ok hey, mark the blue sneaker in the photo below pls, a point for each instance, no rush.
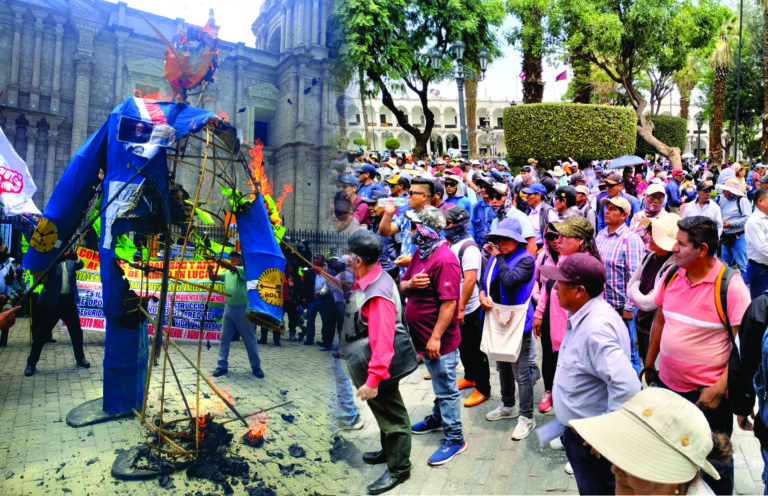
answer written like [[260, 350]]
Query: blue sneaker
[[446, 452], [426, 425]]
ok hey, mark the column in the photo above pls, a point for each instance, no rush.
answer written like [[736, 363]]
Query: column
[[34, 92], [238, 100], [283, 32], [31, 139], [121, 36], [83, 65], [314, 11], [56, 86], [290, 41], [298, 23], [50, 163], [13, 88]]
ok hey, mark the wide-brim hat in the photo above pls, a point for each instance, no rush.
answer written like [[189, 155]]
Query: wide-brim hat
[[705, 185], [732, 185], [508, 228], [663, 230], [657, 436]]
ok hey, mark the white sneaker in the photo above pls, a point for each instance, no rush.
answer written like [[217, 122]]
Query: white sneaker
[[502, 412], [568, 468], [556, 444], [524, 427]]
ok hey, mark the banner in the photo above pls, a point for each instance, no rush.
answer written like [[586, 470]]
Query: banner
[[190, 299], [16, 185]]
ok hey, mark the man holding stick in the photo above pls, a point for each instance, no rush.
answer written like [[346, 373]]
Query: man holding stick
[[234, 314]]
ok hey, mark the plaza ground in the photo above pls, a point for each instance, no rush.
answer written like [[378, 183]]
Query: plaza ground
[[41, 454]]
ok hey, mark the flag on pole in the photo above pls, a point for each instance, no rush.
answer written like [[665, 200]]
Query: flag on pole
[[16, 185], [562, 76], [522, 76]]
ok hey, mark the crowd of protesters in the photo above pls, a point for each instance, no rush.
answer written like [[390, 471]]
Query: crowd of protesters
[[628, 276]]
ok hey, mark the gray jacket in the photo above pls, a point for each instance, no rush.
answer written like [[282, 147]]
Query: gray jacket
[[736, 210]]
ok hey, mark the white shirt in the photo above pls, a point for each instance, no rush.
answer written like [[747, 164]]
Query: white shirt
[[472, 259], [756, 234], [65, 289], [711, 210]]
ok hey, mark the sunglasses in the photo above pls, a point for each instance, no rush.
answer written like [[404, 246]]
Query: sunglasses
[[496, 196], [411, 193], [611, 185]]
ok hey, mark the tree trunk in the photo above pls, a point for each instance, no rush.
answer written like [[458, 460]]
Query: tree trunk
[[764, 140], [533, 85], [645, 131], [582, 82], [718, 101], [470, 102], [685, 102], [361, 82]]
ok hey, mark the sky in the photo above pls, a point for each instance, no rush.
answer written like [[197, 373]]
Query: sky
[[235, 17]]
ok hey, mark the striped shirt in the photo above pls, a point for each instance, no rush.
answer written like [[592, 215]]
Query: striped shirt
[[621, 251], [694, 345]]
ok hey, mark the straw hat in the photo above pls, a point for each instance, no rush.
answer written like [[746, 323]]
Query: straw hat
[[657, 436], [732, 185], [663, 230]]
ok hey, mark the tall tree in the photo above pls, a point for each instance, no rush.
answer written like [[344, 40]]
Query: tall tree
[[363, 94], [470, 102], [686, 80], [721, 60], [625, 39], [582, 77], [764, 139], [529, 35], [392, 42]]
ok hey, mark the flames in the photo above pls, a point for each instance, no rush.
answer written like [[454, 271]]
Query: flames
[[222, 115], [260, 182], [255, 435], [156, 95], [202, 425]]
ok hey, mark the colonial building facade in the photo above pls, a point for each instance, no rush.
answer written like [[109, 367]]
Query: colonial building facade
[[69, 62]]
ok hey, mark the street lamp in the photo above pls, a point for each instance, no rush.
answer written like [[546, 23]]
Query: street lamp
[[461, 74], [699, 123]]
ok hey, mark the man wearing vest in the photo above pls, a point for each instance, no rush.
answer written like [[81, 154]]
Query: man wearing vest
[[688, 313], [374, 311]]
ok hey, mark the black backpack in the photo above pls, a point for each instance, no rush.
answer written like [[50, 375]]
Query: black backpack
[[482, 265]]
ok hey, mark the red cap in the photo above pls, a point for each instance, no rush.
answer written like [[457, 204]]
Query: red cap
[[678, 172]]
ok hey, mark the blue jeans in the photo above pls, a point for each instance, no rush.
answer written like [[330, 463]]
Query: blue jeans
[[737, 254], [313, 308], [345, 394], [593, 475], [519, 371], [447, 409], [757, 279], [234, 320], [636, 363]]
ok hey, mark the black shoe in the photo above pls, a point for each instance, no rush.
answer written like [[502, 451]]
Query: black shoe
[[308, 343], [258, 373], [29, 371], [219, 372], [301, 336], [278, 343], [374, 457], [386, 482], [262, 341], [51, 340], [83, 363]]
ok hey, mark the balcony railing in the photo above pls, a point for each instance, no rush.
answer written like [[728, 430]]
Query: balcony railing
[[451, 126]]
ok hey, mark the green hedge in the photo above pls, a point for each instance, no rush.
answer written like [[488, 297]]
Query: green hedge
[[672, 131], [552, 131]]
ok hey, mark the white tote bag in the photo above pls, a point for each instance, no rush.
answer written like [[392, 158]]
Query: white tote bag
[[503, 327]]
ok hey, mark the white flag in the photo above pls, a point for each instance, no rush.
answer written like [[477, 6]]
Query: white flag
[[16, 185]]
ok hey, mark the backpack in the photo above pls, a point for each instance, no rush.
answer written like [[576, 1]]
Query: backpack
[[483, 263], [738, 394]]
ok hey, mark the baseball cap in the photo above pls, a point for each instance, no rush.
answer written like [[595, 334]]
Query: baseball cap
[[614, 178], [705, 185], [347, 179], [376, 195], [456, 214], [574, 226], [619, 202], [580, 268], [576, 178], [526, 168], [508, 228], [365, 245], [567, 193], [367, 168], [429, 216], [399, 179], [582, 189], [678, 172], [657, 435], [763, 179], [655, 188], [532, 161], [535, 188]]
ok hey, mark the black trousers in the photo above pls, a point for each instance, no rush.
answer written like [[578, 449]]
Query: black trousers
[[476, 368], [44, 319], [392, 417], [292, 312], [548, 356]]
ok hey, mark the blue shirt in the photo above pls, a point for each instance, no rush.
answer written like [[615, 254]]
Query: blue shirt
[[594, 372], [482, 218], [673, 193], [365, 190]]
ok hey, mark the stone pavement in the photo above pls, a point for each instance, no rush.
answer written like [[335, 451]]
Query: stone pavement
[[40, 454]]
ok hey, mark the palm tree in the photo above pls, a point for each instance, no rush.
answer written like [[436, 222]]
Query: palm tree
[[764, 140], [720, 60], [686, 80]]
